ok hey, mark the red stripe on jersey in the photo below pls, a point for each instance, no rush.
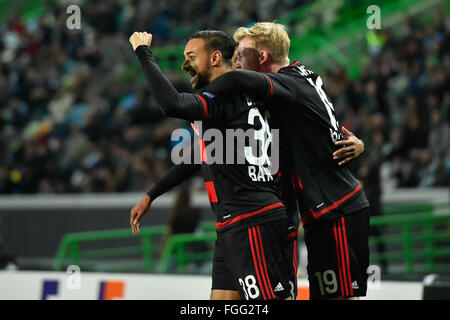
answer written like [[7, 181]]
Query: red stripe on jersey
[[248, 215], [292, 235], [264, 264], [201, 144], [257, 266], [295, 63], [343, 260], [204, 104], [338, 259], [297, 183], [211, 191], [315, 215], [271, 86], [349, 275], [265, 287]]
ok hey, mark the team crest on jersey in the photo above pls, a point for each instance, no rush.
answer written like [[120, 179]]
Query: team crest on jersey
[[209, 94]]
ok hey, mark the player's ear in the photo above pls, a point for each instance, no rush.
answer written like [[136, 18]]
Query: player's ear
[[216, 58], [264, 57]]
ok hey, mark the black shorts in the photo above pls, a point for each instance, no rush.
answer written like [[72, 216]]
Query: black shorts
[[338, 256], [292, 245], [253, 261]]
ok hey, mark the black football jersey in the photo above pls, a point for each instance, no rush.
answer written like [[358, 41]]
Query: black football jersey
[[236, 170], [238, 181], [301, 110], [307, 120]]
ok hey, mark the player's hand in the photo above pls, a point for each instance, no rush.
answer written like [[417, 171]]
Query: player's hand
[[140, 38], [138, 212], [352, 147]]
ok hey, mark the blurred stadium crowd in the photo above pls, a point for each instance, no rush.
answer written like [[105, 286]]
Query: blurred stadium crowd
[[400, 106], [73, 119]]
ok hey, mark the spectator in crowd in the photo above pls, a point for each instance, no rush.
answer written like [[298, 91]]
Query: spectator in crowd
[[402, 96], [71, 118], [75, 118]]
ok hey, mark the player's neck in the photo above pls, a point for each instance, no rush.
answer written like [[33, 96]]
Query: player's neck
[[217, 72], [275, 66]]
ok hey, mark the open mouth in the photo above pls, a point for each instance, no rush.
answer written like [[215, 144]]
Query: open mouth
[[193, 75]]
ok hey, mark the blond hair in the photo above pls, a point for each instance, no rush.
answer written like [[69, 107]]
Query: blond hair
[[270, 36]]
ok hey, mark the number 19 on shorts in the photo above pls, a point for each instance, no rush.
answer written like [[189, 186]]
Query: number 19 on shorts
[[327, 282]]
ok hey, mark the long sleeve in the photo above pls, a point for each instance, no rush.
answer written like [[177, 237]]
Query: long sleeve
[[257, 85], [252, 83], [171, 102], [176, 175]]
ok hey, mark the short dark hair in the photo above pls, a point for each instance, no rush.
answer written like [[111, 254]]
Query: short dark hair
[[217, 40]]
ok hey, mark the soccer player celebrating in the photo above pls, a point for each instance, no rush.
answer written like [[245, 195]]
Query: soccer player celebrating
[[334, 209], [249, 257]]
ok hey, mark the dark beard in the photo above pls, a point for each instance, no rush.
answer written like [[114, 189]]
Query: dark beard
[[200, 83]]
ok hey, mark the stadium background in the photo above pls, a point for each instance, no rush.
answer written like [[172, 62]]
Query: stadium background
[[81, 138]]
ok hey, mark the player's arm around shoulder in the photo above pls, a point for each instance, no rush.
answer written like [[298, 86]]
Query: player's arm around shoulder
[[251, 83], [351, 147]]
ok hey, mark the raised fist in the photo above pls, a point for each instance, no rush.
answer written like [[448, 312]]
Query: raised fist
[[140, 38]]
